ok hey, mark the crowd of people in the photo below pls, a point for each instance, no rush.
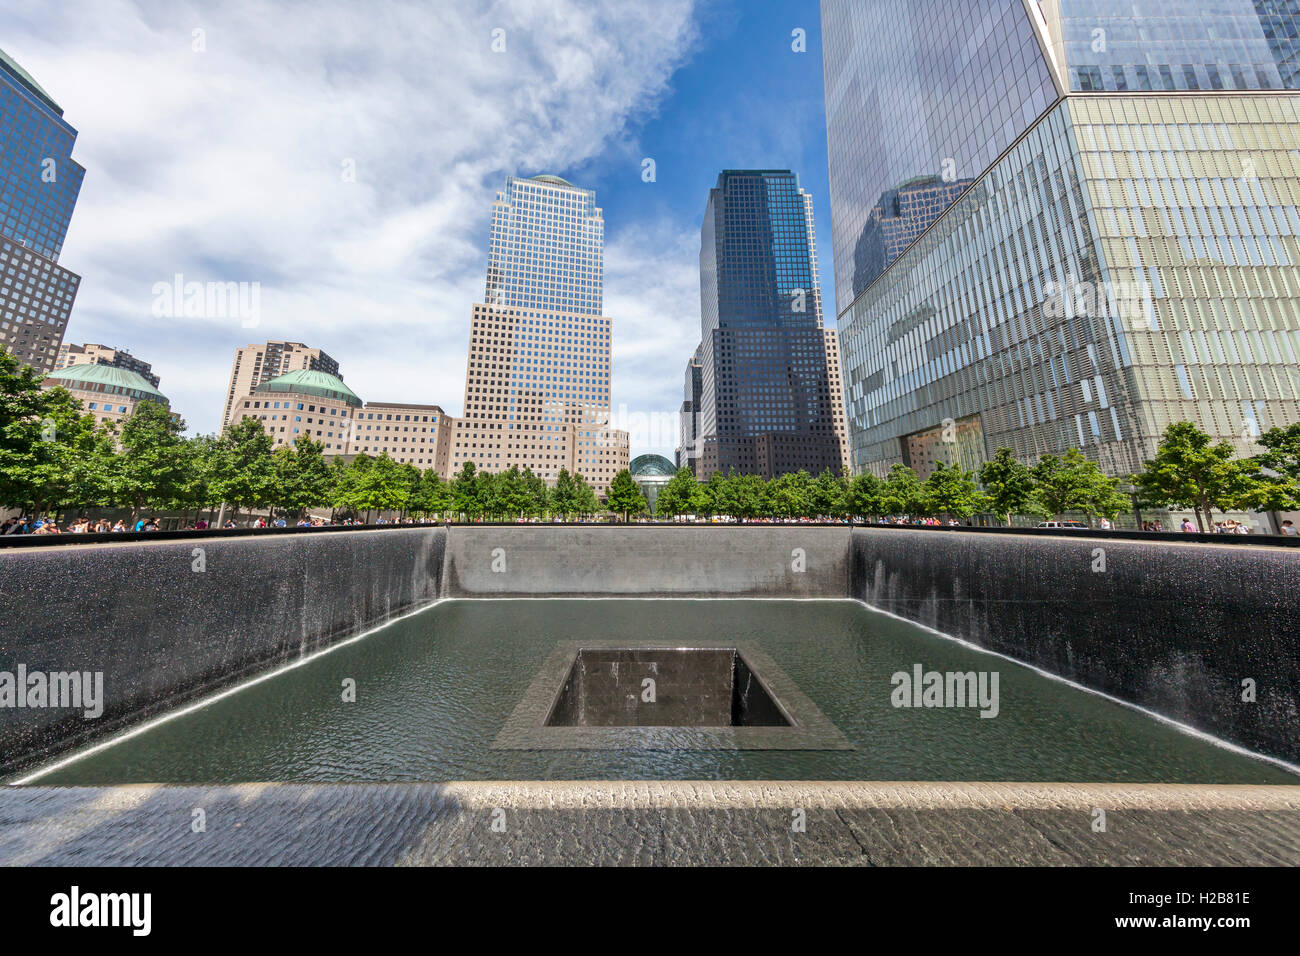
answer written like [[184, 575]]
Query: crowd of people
[[24, 524]]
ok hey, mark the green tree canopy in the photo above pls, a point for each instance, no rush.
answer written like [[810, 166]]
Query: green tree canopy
[[151, 468], [951, 490], [1191, 471], [625, 495], [1009, 485]]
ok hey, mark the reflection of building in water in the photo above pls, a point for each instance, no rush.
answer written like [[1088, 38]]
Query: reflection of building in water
[[1166, 157], [901, 215]]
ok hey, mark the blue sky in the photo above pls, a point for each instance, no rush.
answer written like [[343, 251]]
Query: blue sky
[[344, 158]]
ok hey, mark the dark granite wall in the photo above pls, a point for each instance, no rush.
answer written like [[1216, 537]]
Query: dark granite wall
[[505, 561], [1175, 628], [163, 632]]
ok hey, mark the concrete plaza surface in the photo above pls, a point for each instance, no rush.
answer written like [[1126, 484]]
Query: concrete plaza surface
[[651, 823]]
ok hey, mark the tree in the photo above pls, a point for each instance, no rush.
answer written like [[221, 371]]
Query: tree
[[863, 497], [1065, 482], [788, 495], [151, 468], [951, 490], [302, 478], [1190, 471], [625, 495], [1008, 484], [829, 495], [432, 496], [564, 499], [539, 495], [1280, 465], [465, 493], [585, 496], [23, 408], [681, 496], [903, 493], [241, 466], [195, 490]]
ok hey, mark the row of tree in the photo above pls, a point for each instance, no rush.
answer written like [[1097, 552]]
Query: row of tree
[[1189, 471], [54, 455]]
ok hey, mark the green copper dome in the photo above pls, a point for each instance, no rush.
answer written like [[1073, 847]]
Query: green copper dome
[[107, 378], [305, 381], [649, 466]]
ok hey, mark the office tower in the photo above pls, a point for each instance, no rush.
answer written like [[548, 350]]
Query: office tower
[[689, 426], [255, 364], [39, 184], [538, 377], [91, 354], [1125, 254], [766, 396]]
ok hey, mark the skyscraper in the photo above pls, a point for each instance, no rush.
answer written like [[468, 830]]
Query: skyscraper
[[689, 422], [537, 385], [39, 184], [766, 402], [1125, 253], [261, 362]]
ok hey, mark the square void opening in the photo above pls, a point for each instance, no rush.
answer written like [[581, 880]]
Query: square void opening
[[713, 695], [664, 687]]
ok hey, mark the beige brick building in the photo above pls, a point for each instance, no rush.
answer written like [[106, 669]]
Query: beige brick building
[[92, 354], [837, 399], [418, 434], [537, 383], [255, 364], [105, 391], [517, 415], [302, 402]]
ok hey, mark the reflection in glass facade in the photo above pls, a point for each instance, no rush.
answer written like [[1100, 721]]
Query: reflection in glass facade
[[920, 88], [898, 219], [1143, 45], [765, 399], [1129, 262], [39, 185]]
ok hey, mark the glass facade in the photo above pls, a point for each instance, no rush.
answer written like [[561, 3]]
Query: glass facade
[[39, 185], [39, 179], [547, 247], [920, 88], [1128, 263], [1168, 45], [765, 403]]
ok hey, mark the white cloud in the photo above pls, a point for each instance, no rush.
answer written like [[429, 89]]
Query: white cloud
[[227, 165], [652, 294]]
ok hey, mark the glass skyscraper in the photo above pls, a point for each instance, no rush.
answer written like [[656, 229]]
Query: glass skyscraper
[[39, 184], [537, 389], [765, 404], [1125, 254]]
